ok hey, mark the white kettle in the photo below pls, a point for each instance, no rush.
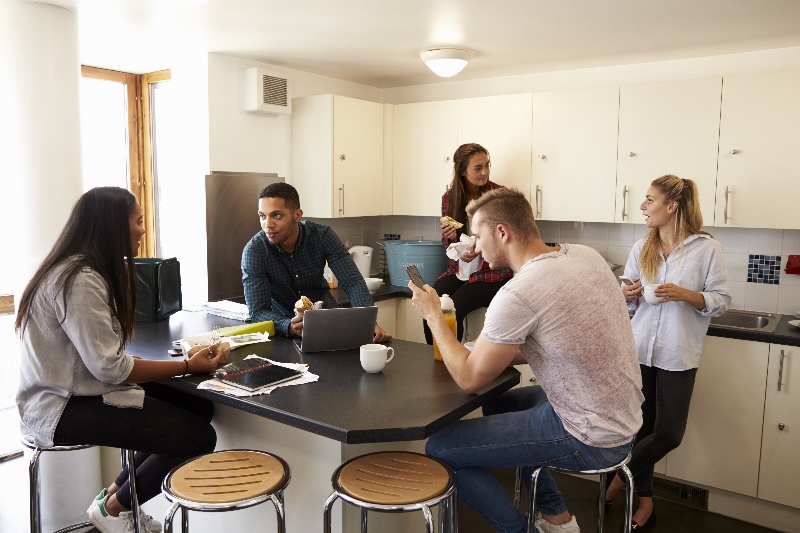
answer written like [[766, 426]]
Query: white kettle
[[362, 256]]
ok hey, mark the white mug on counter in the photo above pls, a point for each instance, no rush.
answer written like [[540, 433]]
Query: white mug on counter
[[375, 356], [650, 294]]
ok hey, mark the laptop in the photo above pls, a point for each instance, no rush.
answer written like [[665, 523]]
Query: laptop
[[343, 328]]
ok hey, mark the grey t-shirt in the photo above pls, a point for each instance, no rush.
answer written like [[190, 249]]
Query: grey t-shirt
[[566, 311], [72, 350]]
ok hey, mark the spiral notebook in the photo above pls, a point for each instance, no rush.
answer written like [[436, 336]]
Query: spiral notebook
[[255, 374]]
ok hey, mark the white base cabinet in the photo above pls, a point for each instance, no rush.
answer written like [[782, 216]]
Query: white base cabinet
[[722, 444], [779, 479]]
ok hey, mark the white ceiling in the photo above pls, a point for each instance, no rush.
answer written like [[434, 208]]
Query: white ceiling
[[377, 42]]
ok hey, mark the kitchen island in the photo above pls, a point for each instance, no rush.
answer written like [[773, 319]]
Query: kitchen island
[[317, 426]]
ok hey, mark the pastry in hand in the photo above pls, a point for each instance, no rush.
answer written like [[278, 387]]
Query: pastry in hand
[[451, 222], [302, 305]]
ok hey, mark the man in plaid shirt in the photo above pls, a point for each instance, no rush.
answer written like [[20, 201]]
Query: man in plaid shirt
[[286, 261]]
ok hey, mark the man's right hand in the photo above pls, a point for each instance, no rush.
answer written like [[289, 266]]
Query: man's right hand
[[296, 326]]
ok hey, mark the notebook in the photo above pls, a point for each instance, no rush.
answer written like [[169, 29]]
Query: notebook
[[343, 328], [254, 374]]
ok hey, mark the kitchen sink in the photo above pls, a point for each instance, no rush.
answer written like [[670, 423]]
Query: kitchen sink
[[747, 320]]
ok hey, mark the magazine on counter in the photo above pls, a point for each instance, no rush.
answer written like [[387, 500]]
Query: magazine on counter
[[254, 373]]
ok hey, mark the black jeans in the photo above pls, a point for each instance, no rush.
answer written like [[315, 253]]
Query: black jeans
[[171, 427], [667, 395], [467, 297]]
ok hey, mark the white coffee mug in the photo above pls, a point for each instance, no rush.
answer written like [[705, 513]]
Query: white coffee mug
[[650, 294], [375, 356]]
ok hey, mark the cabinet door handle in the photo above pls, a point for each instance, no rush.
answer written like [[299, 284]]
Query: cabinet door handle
[[780, 371], [725, 211], [542, 157], [624, 202], [781, 426], [734, 151], [538, 201], [631, 154], [341, 201], [343, 157]]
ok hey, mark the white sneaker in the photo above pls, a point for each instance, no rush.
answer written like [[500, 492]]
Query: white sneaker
[[543, 526], [122, 523]]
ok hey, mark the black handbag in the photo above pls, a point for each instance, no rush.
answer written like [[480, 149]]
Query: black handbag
[[159, 289]]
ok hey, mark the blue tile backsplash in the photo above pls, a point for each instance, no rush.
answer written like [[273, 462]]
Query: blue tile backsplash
[[764, 269]]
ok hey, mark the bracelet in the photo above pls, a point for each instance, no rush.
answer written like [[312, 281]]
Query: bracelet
[[187, 368]]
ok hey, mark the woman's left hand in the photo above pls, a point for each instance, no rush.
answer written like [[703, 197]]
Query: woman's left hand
[[669, 292]]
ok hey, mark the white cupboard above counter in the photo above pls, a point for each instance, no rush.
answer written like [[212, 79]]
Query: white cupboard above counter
[[427, 134], [758, 182], [337, 156], [667, 128]]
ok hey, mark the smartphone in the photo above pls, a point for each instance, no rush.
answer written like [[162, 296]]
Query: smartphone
[[175, 353], [413, 273], [626, 280]]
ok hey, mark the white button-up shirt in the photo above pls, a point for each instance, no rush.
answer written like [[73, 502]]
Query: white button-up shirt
[[670, 335]]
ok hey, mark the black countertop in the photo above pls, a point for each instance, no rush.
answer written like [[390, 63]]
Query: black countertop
[[783, 334], [411, 399]]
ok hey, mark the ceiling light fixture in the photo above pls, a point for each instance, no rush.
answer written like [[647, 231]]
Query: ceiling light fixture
[[446, 62]]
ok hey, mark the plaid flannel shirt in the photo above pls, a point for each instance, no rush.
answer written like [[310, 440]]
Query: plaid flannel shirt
[[274, 280], [484, 273]]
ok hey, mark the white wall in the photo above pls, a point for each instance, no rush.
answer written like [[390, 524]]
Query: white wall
[[244, 141]]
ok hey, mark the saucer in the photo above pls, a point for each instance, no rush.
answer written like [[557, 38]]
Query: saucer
[[795, 323]]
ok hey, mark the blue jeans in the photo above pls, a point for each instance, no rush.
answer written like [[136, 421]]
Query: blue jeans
[[519, 428]]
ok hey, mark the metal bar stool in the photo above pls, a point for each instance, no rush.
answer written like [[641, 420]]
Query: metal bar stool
[[395, 482], [35, 493], [226, 481], [621, 466]]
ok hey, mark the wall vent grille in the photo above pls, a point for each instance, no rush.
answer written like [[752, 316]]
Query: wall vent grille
[[274, 90], [680, 493]]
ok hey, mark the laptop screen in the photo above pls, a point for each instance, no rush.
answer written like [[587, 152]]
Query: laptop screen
[[343, 328]]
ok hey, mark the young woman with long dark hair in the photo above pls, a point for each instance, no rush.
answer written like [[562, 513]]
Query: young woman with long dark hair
[[77, 384], [468, 280]]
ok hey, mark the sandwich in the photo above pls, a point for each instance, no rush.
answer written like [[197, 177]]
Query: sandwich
[[452, 222], [302, 305]]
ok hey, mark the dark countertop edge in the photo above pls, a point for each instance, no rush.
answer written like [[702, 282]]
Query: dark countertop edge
[[783, 334]]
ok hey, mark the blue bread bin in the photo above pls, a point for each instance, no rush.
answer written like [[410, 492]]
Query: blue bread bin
[[428, 256]]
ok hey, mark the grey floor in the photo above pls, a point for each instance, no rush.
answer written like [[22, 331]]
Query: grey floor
[[581, 496]]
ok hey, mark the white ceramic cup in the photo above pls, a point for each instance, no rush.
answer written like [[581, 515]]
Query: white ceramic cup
[[375, 356], [650, 294], [469, 345]]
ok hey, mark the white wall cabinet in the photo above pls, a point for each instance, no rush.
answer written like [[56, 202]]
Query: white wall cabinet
[[722, 444], [759, 171], [779, 479], [425, 137], [502, 125], [337, 156], [667, 128], [574, 145]]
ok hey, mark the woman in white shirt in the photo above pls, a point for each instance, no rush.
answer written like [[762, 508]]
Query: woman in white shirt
[[688, 267], [77, 384]]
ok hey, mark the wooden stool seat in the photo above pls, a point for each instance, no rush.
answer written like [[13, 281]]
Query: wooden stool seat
[[228, 476], [394, 478], [394, 482], [226, 481]]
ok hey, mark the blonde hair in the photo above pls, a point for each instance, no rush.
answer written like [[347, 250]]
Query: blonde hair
[[688, 220]]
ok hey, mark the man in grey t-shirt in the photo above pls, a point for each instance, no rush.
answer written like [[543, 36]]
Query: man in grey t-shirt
[[562, 313]]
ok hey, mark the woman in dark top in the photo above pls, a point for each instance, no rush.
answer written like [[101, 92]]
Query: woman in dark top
[[468, 280]]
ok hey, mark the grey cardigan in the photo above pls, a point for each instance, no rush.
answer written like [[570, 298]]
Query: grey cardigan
[[70, 350]]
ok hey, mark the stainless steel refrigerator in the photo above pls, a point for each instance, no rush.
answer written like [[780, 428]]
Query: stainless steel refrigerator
[[231, 221]]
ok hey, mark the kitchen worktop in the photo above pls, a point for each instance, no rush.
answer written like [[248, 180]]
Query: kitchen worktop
[[784, 334]]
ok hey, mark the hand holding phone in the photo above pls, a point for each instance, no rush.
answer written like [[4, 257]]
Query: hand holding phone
[[626, 280], [415, 276]]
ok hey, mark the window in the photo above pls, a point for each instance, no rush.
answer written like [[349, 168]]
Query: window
[[117, 137]]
